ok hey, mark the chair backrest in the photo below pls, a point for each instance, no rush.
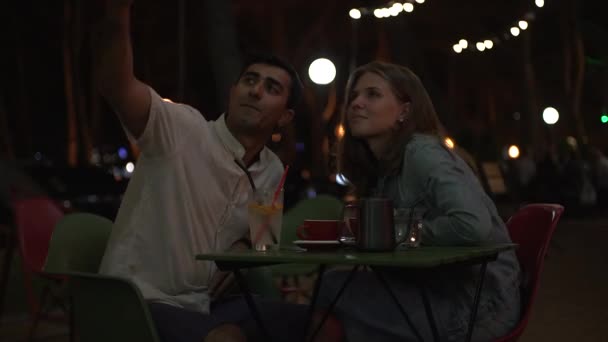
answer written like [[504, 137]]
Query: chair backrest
[[35, 219], [108, 308], [322, 207], [78, 243], [531, 227]]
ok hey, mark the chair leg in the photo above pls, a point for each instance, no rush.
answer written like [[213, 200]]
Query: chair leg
[[298, 287], [71, 318], [39, 313], [6, 268], [284, 285], [66, 306]]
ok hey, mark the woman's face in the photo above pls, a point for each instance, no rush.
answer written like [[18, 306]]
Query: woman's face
[[374, 110]]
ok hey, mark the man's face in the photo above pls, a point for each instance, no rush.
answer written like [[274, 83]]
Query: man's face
[[258, 101]]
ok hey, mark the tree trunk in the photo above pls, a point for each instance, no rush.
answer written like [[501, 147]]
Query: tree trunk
[[383, 52], [6, 146], [181, 50], [574, 67], [24, 122], [72, 129], [278, 28], [531, 123], [80, 79], [223, 49], [578, 80], [317, 29]]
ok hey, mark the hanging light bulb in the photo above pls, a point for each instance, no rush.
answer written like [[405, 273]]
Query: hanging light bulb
[[355, 13], [515, 31], [523, 24]]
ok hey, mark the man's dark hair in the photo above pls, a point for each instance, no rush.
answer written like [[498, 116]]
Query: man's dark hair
[[295, 90]]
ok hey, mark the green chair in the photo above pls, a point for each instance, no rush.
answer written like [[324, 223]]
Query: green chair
[[109, 309], [322, 207], [78, 243], [103, 308]]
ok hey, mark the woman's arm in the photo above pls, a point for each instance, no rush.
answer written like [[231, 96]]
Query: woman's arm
[[458, 213]]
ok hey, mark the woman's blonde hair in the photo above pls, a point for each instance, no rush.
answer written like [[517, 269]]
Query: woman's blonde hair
[[355, 160]]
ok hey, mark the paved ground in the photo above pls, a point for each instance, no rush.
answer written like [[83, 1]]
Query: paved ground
[[572, 303], [573, 299]]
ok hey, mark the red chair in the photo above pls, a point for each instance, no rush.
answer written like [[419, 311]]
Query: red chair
[[531, 227], [35, 219]]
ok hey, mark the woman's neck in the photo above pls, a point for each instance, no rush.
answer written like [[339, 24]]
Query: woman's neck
[[379, 145]]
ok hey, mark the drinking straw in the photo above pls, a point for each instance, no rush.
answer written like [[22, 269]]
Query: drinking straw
[[274, 200], [281, 183]]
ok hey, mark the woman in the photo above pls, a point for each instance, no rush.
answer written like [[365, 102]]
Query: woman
[[393, 148]]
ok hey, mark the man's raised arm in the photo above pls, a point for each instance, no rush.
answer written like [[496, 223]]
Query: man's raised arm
[[113, 65]]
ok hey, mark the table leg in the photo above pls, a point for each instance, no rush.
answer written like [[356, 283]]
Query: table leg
[[313, 300], [429, 312], [482, 275], [396, 300], [333, 303], [252, 307]]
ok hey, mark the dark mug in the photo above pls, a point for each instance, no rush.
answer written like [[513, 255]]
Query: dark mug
[[376, 228]]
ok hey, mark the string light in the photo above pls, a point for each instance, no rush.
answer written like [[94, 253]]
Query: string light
[[513, 30], [523, 24], [392, 9]]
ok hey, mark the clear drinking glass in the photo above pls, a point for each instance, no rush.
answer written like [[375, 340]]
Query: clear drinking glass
[[401, 219], [265, 218], [408, 227], [350, 223]]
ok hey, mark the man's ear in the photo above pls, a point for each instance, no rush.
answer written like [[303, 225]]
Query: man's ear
[[286, 118]]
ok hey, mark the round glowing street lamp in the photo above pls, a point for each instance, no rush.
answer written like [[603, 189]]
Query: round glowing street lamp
[[550, 115], [322, 71]]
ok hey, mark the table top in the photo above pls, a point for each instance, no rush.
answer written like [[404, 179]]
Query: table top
[[421, 257]]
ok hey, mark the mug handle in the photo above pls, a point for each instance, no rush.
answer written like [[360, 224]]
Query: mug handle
[[301, 232]]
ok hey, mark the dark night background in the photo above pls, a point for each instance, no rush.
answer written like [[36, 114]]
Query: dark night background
[[55, 128]]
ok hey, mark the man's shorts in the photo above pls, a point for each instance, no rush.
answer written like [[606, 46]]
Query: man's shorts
[[284, 321]]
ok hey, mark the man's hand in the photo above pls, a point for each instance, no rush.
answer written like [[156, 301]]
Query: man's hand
[[221, 280]]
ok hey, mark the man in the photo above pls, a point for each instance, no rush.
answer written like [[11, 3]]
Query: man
[[189, 190]]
